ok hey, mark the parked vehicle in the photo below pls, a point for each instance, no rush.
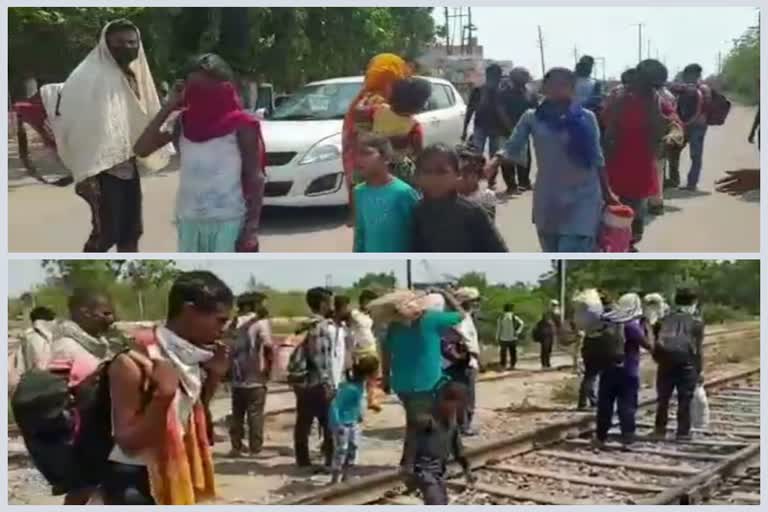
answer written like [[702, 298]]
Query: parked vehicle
[[303, 139]]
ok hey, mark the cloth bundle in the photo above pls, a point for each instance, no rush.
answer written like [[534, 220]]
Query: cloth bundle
[[587, 309], [404, 306]]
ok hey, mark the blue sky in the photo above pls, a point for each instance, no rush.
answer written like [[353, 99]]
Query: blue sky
[[681, 35], [303, 273]]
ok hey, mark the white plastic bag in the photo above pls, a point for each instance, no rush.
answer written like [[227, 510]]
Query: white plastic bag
[[587, 309], [699, 408]]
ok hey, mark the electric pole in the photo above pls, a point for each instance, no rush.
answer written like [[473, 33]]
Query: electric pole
[[561, 275], [639, 42], [649, 49], [448, 42], [408, 274], [719, 63], [541, 52], [575, 56]]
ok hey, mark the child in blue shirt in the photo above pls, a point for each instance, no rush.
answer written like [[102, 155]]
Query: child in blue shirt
[[346, 416], [383, 203]]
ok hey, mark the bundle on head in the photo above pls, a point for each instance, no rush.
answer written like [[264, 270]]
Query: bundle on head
[[404, 306]]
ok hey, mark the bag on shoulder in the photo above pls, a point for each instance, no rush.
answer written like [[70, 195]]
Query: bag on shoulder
[[298, 363], [718, 109], [454, 348], [67, 430], [604, 346], [675, 342]]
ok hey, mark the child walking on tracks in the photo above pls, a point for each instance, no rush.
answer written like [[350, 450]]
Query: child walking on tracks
[[346, 416], [437, 439]]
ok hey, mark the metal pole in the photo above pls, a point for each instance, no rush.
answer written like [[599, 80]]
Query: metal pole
[[649, 49], [541, 52], [562, 290], [408, 273], [639, 42]]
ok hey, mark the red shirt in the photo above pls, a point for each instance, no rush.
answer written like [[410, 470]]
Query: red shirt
[[631, 169]]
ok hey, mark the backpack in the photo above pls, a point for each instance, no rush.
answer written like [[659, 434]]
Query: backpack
[[454, 348], [675, 343], [718, 109], [298, 363], [67, 430], [247, 356], [604, 346]]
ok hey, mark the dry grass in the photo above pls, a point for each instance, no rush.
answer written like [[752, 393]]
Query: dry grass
[[567, 391]]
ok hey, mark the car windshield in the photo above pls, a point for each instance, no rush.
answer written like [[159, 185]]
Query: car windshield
[[318, 102]]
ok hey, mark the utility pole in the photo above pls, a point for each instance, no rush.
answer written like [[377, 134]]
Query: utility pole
[[602, 63], [470, 32], [447, 32], [640, 42], [649, 49], [575, 56], [562, 274], [408, 273], [541, 52], [719, 63]]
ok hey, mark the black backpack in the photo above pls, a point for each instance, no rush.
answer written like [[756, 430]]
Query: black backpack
[[604, 346], [675, 342], [67, 431]]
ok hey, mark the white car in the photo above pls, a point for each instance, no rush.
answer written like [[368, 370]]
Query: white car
[[303, 139]]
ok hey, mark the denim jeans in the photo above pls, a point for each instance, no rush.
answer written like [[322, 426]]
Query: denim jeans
[[554, 242], [415, 404], [480, 137], [696, 135], [640, 206], [346, 439], [617, 389]]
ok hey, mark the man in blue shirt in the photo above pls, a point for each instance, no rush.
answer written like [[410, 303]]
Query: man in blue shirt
[[412, 360]]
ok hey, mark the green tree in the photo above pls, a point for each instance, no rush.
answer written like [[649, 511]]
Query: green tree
[[71, 274], [286, 46], [383, 281], [148, 274], [475, 280], [741, 68]]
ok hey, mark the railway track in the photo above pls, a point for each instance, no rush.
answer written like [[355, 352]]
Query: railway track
[[714, 338], [556, 465]]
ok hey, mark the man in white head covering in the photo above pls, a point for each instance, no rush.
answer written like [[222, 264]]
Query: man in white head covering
[[101, 110]]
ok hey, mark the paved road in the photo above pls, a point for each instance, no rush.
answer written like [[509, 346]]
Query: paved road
[[48, 219]]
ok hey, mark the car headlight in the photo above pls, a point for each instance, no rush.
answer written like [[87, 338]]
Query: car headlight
[[326, 149]]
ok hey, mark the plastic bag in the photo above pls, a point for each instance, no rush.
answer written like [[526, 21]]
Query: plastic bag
[[587, 310], [616, 229], [699, 408]]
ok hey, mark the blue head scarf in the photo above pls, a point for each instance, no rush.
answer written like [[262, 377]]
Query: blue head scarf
[[582, 147]]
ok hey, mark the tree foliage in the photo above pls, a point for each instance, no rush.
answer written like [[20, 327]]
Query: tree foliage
[[380, 281], [741, 69], [285, 46]]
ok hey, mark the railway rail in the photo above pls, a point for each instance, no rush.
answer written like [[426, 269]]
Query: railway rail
[[714, 338], [556, 464]]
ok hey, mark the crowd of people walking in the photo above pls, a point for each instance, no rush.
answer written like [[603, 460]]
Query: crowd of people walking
[[596, 149], [422, 347]]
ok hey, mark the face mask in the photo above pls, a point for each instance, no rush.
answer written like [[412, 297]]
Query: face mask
[[124, 55]]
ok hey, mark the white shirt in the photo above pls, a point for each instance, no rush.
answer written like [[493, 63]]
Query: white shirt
[[468, 331], [339, 335]]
